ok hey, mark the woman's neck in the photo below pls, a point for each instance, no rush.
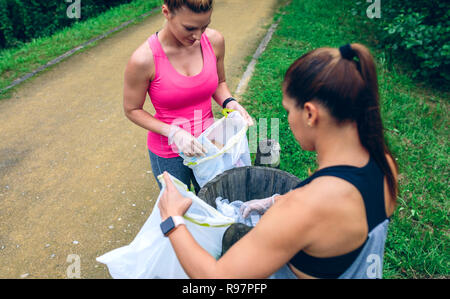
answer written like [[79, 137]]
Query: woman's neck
[[341, 146], [168, 39]]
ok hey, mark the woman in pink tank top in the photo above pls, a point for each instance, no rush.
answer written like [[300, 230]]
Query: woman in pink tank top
[[182, 68]]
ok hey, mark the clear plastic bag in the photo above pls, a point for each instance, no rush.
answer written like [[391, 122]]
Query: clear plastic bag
[[150, 254], [232, 210], [227, 146]]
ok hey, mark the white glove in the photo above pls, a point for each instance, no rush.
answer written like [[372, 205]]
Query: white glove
[[185, 142], [236, 106], [258, 205]]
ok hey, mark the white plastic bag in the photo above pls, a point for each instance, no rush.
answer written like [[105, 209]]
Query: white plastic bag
[[227, 146], [232, 210], [150, 254]]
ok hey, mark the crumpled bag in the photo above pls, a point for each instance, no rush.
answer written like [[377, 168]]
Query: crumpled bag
[[232, 210], [151, 255], [227, 146]]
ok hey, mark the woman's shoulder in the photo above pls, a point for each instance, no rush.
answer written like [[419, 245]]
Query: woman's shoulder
[[142, 60], [214, 36], [324, 191], [327, 199], [320, 196], [217, 40], [312, 209]]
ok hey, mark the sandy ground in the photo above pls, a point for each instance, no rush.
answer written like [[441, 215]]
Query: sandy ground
[[75, 176]]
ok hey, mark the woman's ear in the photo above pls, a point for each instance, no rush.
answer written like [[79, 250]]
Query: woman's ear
[[166, 12], [311, 114]]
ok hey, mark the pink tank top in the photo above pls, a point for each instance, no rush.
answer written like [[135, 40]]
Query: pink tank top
[[181, 100]]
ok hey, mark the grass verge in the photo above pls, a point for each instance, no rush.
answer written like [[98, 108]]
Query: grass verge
[[415, 118], [17, 62]]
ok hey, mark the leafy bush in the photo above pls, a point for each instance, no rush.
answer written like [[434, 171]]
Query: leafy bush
[[23, 20], [419, 31]]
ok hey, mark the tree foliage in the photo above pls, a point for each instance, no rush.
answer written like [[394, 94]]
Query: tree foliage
[[23, 20]]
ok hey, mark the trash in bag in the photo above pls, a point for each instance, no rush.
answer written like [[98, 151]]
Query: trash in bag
[[150, 254], [227, 146], [232, 210]]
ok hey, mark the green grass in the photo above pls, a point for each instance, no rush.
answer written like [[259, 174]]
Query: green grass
[[415, 118], [19, 61]]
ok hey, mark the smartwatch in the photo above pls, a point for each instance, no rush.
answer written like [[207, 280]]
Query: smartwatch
[[227, 101], [171, 223]]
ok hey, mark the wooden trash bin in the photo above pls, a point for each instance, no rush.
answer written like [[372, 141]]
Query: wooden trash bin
[[245, 183]]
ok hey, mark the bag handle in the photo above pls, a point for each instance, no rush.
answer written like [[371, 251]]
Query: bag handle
[[227, 111]]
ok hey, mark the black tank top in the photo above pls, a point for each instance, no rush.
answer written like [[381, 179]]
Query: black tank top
[[369, 180]]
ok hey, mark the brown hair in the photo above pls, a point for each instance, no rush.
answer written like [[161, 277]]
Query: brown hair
[[349, 90], [197, 6]]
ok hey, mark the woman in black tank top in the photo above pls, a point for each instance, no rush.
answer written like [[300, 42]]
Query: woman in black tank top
[[331, 97]]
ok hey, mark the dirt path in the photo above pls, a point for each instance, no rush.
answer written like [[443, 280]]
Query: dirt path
[[75, 176]]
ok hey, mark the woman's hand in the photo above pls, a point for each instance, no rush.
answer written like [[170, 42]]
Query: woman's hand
[[258, 205], [236, 106], [172, 203], [186, 143]]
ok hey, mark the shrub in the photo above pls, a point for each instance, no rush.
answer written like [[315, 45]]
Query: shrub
[[23, 20], [418, 31]]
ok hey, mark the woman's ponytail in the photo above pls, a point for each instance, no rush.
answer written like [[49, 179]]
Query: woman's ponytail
[[370, 125]]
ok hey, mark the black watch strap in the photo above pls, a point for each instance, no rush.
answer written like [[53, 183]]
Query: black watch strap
[[227, 101]]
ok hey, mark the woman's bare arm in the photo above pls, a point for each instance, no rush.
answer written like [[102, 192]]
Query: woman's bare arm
[[222, 92], [218, 42], [138, 74], [280, 233]]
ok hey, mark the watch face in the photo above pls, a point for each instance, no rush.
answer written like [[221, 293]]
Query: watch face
[[167, 225]]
